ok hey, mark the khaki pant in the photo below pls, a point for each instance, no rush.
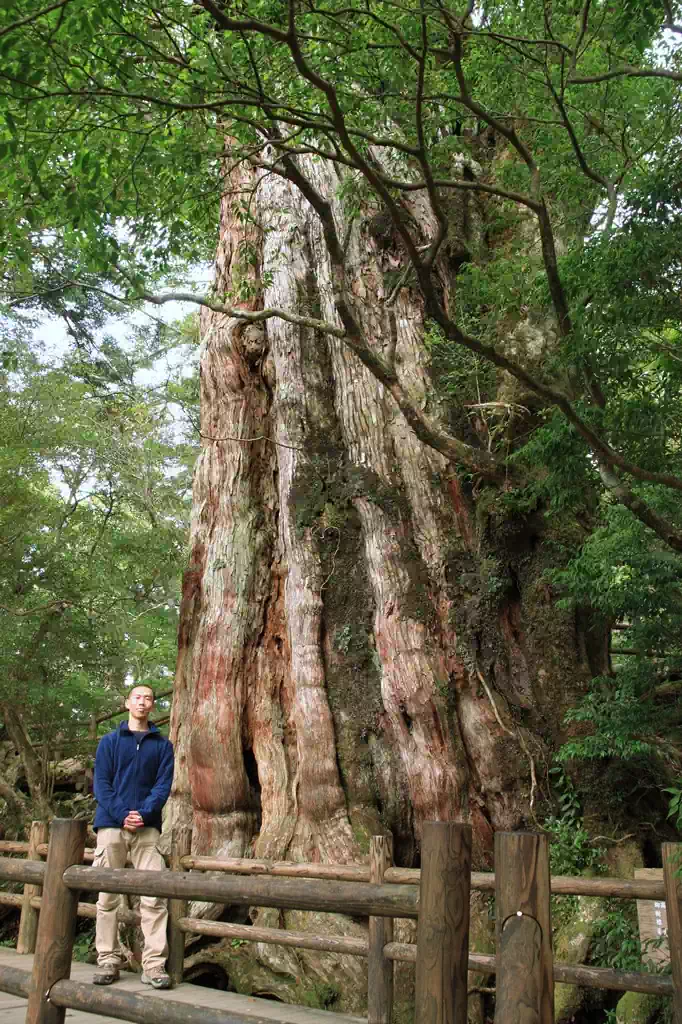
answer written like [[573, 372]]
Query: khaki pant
[[114, 847]]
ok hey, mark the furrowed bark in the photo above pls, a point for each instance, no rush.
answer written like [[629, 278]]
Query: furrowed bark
[[362, 631]]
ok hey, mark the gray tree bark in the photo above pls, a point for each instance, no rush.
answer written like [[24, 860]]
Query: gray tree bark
[[367, 639]]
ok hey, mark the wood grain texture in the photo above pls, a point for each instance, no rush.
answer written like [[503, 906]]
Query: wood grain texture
[[15, 981], [282, 868], [88, 854], [443, 929], [571, 974], [519, 995], [57, 924], [482, 881], [27, 871], [354, 898], [181, 844], [525, 986], [561, 885], [11, 899], [616, 981], [28, 923], [379, 967], [672, 870], [113, 1002], [275, 936], [13, 846]]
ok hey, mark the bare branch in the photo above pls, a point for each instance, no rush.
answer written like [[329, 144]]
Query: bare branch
[[253, 317], [32, 17], [669, 19], [234, 25], [247, 440], [627, 71], [600, 448], [639, 508], [588, 171], [54, 606], [508, 133], [436, 204]]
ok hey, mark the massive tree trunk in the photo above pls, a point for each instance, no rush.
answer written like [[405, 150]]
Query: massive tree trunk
[[367, 639]]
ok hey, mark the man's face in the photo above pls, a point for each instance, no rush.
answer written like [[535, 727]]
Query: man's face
[[140, 702]]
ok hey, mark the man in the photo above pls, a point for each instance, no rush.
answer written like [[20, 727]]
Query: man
[[133, 776]]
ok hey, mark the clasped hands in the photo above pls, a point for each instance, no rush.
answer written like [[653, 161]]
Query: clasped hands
[[133, 821]]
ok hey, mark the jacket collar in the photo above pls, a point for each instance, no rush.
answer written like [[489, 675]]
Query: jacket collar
[[123, 727]]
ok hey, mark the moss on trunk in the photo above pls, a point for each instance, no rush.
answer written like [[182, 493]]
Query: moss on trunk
[[367, 639]]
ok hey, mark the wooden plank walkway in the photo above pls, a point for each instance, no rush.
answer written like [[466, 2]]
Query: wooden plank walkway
[[13, 1009]]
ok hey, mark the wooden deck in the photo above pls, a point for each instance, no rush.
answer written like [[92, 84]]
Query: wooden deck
[[13, 1009]]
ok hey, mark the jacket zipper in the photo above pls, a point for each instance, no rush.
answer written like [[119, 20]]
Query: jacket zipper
[[137, 751]]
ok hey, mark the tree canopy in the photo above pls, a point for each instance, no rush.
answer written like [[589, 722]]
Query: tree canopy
[[95, 482], [123, 120], [123, 124]]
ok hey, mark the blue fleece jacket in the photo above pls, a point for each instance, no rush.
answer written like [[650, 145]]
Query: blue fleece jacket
[[133, 772]]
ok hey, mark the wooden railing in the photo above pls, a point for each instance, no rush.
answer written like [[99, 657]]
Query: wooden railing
[[437, 896]]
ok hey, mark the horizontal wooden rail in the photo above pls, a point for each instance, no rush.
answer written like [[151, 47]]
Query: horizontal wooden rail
[[9, 846], [404, 952], [11, 899], [617, 981], [88, 855], [483, 881], [620, 888], [356, 899], [278, 868], [14, 981], [30, 872], [277, 936], [77, 995], [571, 974], [90, 910], [13, 846]]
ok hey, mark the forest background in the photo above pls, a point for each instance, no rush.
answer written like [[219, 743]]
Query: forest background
[[441, 367]]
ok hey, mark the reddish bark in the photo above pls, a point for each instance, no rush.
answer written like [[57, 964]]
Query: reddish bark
[[360, 648]]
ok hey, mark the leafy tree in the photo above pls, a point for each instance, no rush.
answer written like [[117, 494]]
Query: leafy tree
[[512, 170], [128, 114], [95, 487]]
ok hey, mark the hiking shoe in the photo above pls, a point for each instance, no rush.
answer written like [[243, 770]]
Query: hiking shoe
[[106, 976], [156, 977]]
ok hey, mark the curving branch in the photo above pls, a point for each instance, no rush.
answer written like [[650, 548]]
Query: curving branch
[[33, 17], [251, 316], [627, 71], [425, 428], [666, 530], [600, 448]]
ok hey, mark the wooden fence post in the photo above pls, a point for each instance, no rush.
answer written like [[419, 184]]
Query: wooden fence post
[[28, 922], [57, 923], [525, 981], [443, 928], [181, 846], [379, 968], [672, 872]]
